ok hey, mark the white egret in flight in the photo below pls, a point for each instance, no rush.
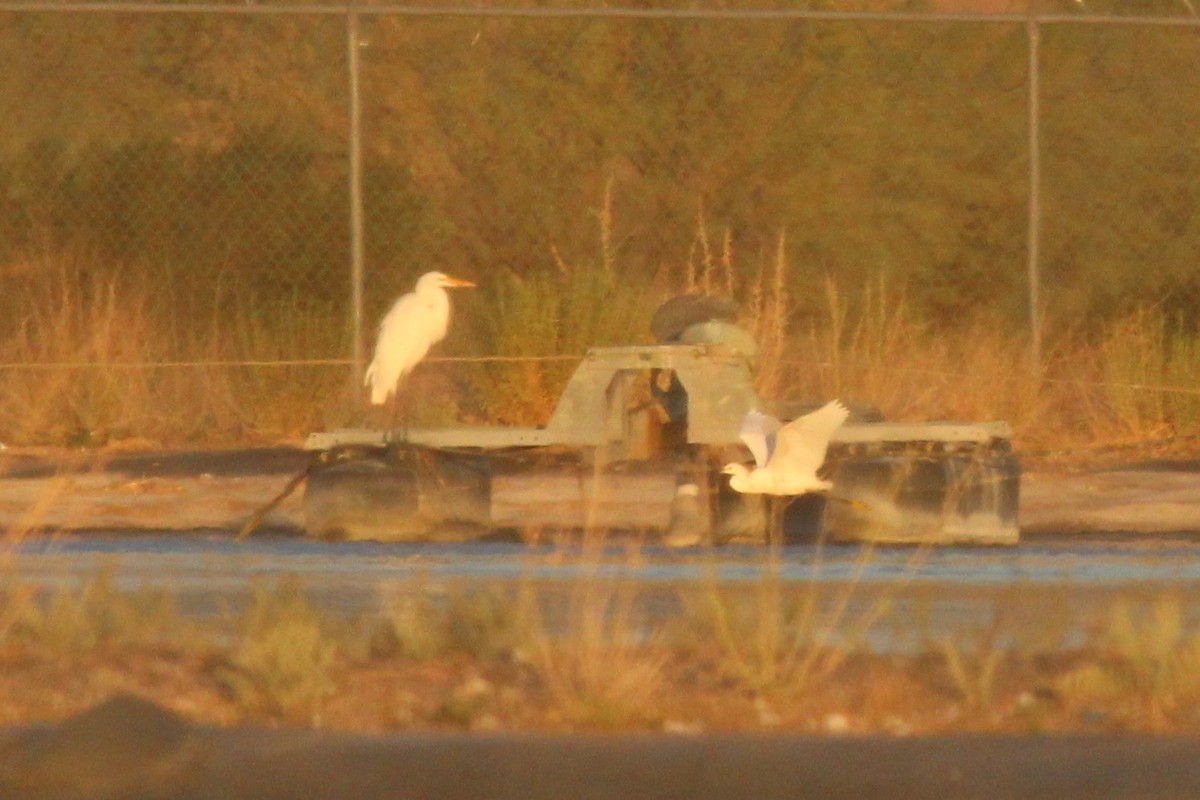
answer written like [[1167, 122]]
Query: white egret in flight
[[416, 322], [786, 456]]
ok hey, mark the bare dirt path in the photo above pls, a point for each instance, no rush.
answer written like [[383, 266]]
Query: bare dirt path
[[221, 489], [1158, 496], [151, 491]]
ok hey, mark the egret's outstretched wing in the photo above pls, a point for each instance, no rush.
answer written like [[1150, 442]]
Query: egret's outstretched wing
[[800, 445], [758, 432]]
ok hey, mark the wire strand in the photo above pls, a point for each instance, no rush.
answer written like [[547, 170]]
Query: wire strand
[[585, 12], [347, 362], [282, 362]]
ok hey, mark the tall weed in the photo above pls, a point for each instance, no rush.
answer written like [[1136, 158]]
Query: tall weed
[[1147, 662], [283, 661], [603, 670], [776, 637], [94, 353], [73, 619], [1149, 369], [545, 315]]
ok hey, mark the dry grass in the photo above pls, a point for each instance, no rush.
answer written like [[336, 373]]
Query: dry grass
[[96, 613], [774, 637], [1134, 381], [282, 662], [600, 662], [1122, 380], [93, 354], [597, 667], [586, 301], [1148, 665]]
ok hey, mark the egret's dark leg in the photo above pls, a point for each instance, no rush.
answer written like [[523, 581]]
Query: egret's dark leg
[[776, 508], [401, 409], [407, 419], [394, 415]]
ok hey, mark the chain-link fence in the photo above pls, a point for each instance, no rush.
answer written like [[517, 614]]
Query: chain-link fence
[[204, 208]]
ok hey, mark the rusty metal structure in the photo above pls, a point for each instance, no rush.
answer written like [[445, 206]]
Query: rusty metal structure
[[636, 443]]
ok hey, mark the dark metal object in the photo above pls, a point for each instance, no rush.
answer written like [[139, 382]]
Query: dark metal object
[[680, 313]]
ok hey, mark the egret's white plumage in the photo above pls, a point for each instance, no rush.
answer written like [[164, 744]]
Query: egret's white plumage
[[786, 456], [416, 322]]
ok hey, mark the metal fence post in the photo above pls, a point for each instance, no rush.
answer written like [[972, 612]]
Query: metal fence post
[[355, 188], [1035, 331]]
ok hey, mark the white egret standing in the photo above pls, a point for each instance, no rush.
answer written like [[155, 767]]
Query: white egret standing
[[416, 322], [786, 457]]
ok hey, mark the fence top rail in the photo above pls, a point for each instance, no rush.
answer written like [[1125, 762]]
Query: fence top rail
[[765, 14]]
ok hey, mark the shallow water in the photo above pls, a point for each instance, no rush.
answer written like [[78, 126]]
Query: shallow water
[[1057, 588], [170, 558]]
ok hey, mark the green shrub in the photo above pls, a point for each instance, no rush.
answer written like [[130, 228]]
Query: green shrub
[[282, 662]]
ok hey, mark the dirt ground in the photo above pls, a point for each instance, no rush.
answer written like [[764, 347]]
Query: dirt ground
[[891, 695], [1134, 491], [131, 491], [690, 693]]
